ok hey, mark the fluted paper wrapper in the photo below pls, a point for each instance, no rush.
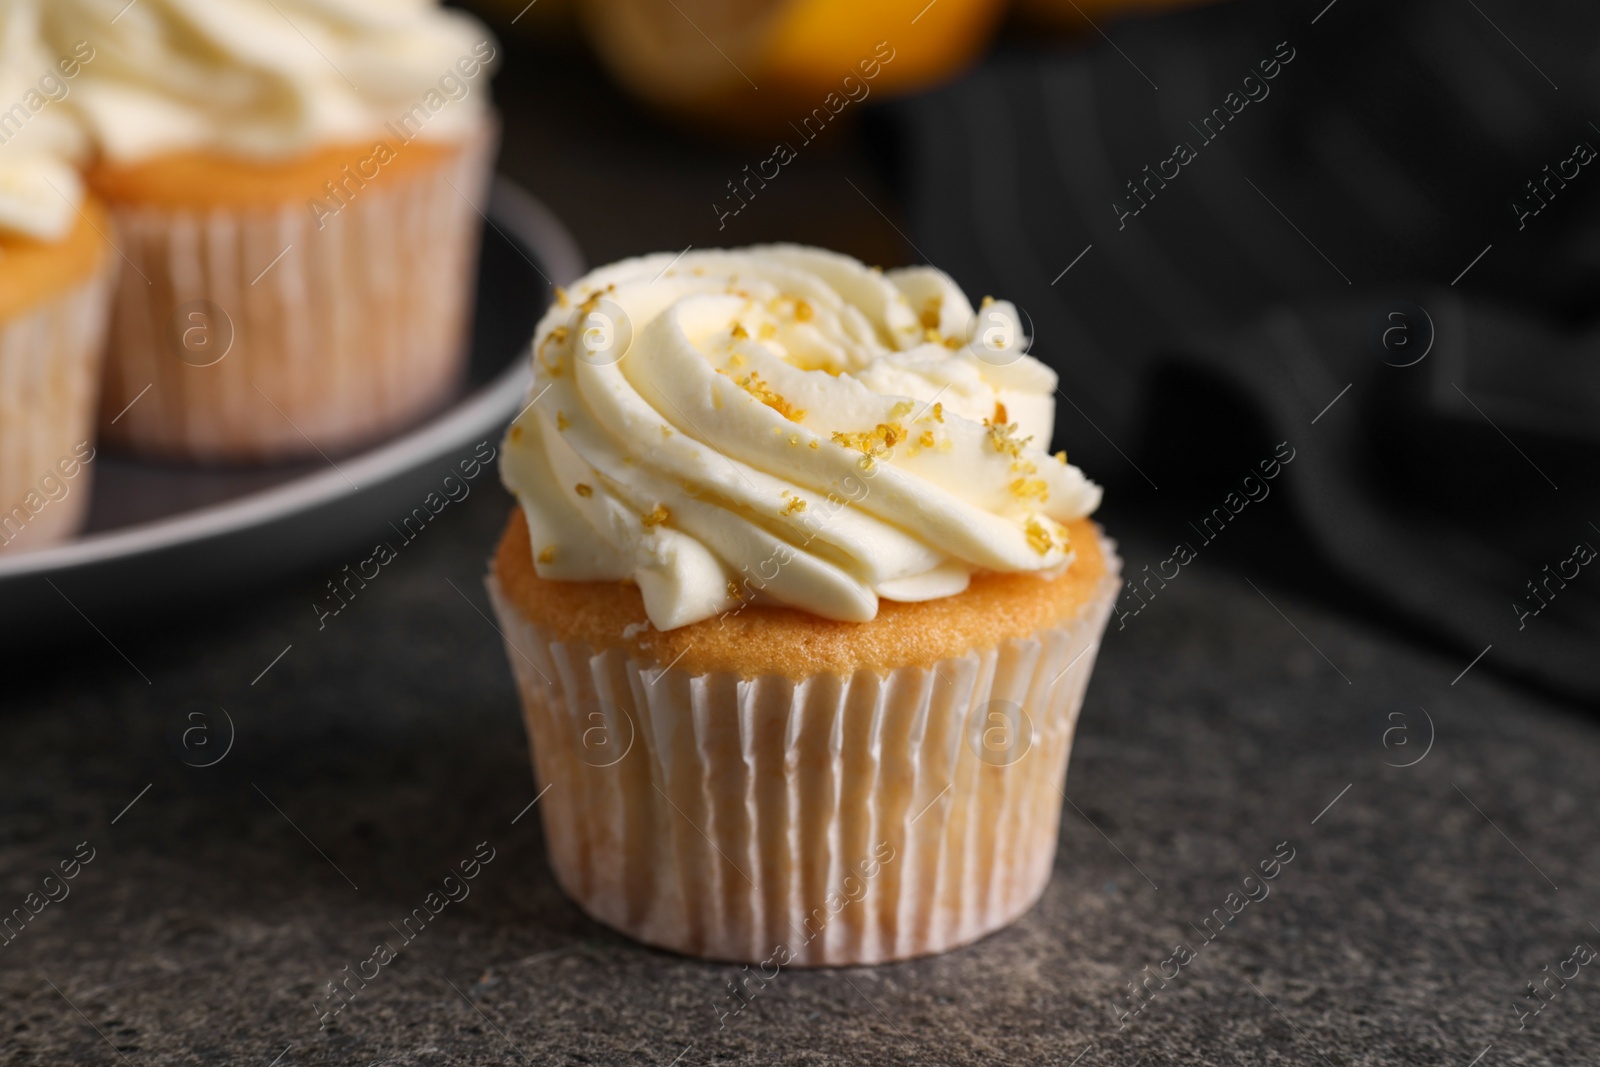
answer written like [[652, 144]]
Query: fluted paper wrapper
[[357, 330], [824, 821], [50, 359]]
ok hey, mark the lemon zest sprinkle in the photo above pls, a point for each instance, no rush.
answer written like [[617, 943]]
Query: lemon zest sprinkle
[[1039, 538]]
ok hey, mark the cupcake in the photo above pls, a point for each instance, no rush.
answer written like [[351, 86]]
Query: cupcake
[[295, 186], [800, 611], [56, 274]]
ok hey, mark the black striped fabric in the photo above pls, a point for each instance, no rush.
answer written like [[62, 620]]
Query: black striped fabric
[[1370, 230]]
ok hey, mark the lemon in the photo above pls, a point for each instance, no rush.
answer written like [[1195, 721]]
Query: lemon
[[758, 64]]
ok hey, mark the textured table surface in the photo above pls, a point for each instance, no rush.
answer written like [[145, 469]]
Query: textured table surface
[[379, 752]]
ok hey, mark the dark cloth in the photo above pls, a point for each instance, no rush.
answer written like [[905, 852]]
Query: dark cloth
[[1378, 214]]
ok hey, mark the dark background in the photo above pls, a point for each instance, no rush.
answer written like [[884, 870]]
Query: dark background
[[1328, 635]]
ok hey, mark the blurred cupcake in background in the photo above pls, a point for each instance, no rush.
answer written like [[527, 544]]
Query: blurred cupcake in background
[[56, 275], [296, 186]]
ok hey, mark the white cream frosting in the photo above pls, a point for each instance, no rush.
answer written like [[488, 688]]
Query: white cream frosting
[[40, 189], [782, 424], [270, 78]]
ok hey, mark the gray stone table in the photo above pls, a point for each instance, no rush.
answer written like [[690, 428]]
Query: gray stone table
[[378, 752]]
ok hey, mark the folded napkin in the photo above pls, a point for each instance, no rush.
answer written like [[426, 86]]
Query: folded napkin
[[1367, 230]]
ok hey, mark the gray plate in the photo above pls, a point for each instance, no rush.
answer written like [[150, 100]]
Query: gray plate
[[161, 537]]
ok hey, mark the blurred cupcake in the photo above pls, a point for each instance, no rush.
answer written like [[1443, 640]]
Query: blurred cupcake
[[294, 184], [56, 274], [800, 611]]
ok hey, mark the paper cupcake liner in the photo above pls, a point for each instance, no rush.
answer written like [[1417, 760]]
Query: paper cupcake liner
[[50, 358], [324, 338], [825, 821]]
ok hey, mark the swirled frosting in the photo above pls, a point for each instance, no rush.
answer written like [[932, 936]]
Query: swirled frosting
[[39, 140], [782, 424], [270, 78]]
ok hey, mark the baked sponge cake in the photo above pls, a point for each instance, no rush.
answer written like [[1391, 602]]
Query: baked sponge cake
[[57, 270], [800, 610], [297, 190]]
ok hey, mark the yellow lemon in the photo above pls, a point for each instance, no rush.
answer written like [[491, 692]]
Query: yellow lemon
[[756, 64]]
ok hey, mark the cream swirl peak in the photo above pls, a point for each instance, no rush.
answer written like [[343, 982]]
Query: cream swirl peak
[[266, 79], [784, 424], [39, 140]]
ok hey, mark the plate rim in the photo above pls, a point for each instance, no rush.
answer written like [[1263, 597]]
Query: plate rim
[[531, 224]]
